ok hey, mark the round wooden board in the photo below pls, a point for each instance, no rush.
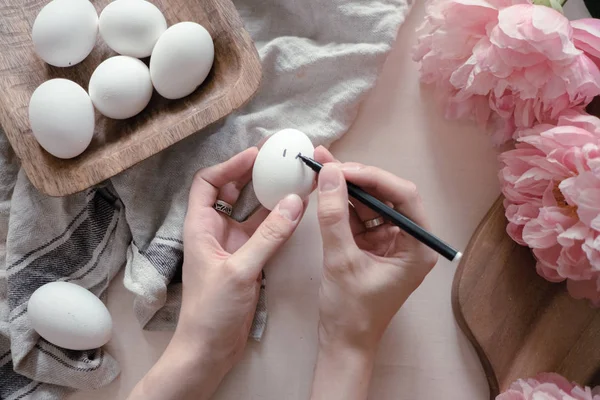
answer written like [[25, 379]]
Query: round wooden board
[[519, 323]]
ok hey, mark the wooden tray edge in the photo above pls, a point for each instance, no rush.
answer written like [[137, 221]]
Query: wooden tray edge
[[462, 323]]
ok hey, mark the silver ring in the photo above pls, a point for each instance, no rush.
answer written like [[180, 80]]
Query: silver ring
[[374, 223], [224, 207]]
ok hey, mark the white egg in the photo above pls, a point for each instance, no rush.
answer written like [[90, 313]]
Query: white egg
[[131, 27], [181, 60], [120, 87], [69, 316], [64, 32], [61, 116], [278, 172]]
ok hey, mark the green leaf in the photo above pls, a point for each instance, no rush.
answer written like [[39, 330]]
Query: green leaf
[[555, 4]]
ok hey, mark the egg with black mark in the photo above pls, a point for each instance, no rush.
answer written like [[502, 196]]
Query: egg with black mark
[[64, 32], [277, 171]]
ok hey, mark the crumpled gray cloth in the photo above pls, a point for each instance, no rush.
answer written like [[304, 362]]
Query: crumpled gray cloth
[[319, 58]]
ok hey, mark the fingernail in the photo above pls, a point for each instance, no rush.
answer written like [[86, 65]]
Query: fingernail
[[290, 207], [329, 179], [351, 166]]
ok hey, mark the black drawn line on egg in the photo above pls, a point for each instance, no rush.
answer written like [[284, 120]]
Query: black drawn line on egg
[[284, 151]]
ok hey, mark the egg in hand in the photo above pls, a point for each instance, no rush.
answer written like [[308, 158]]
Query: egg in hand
[[277, 172]]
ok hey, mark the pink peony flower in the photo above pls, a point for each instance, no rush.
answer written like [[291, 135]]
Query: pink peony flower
[[586, 37], [548, 386], [507, 63], [551, 184]]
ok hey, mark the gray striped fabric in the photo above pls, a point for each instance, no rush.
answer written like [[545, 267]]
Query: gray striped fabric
[[319, 58]]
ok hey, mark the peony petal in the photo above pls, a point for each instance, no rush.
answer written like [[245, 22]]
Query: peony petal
[[580, 119], [547, 386], [555, 379], [583, 191], [546, 263], [511, 395], [582, 78], [586, 36], [589, 289], [591, 247]]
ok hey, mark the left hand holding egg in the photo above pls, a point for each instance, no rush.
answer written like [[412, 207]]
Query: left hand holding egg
[[223, 260]]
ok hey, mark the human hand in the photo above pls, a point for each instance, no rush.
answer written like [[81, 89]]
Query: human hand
[[223, 260], [368, 273]]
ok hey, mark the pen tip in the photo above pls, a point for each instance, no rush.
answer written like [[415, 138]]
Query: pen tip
[[457, 257]]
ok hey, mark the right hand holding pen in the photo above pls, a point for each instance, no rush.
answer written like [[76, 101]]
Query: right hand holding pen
[[368, 273]]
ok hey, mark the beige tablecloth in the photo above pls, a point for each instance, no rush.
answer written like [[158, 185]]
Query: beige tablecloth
[[423, 355]]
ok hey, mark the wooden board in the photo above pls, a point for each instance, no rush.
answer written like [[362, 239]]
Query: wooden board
[[519, 323], [118, 145]]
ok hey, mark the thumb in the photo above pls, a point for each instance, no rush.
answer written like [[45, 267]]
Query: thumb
[[270, 235], [333, 209]]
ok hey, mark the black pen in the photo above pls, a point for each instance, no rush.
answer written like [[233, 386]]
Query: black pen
[[402, 221]]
